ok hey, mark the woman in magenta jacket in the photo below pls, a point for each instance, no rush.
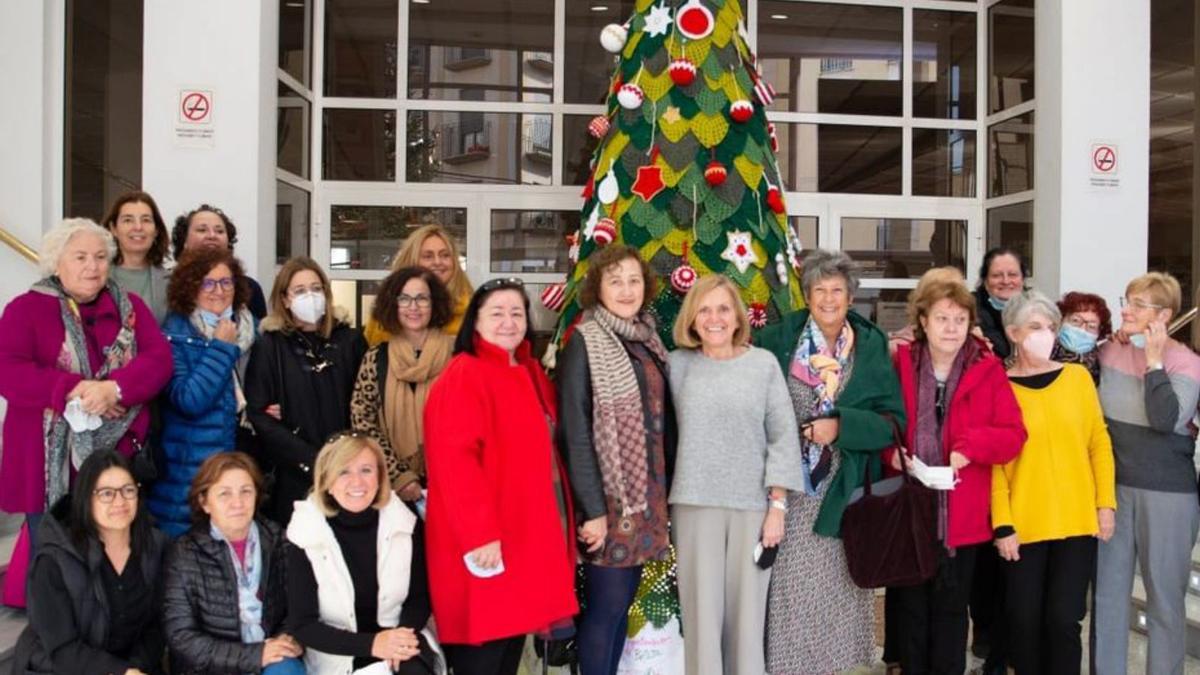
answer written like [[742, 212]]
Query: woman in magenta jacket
[[961, 413]]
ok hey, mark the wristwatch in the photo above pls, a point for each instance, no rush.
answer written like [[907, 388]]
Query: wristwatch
[[780, 504], [1151, 367]]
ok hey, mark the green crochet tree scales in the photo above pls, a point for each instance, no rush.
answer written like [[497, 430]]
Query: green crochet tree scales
[[685, 165]]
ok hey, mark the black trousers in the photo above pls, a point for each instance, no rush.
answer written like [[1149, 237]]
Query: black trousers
[[1046, 599], [931, 618], [498, 657], [987, 605]]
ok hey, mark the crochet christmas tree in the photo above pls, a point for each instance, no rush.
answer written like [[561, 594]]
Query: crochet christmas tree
[[685, 169]]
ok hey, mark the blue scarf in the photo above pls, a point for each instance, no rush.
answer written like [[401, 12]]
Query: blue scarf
[[249, 576]]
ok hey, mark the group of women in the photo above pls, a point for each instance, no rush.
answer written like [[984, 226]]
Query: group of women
[[328, 491]]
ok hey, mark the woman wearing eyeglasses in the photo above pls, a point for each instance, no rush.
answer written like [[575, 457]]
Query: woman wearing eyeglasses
[[1086, 322], [300, 379], [501, 553], [1149, 385], [395, 377], [95, 581], [211, 331]]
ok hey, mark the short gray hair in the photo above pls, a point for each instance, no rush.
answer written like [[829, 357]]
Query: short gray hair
[[57, 238], [1021, 306], [821, 264]]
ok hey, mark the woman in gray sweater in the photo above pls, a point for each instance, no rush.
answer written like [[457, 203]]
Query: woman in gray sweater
[[738, 455]]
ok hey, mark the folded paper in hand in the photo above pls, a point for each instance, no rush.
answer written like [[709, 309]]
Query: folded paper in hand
[[934, 477]]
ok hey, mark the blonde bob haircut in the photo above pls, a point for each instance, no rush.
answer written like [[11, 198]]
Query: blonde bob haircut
[[279, 291], [1162, 288], [685, 334], [409, 255], [335, 456], [939, 283]]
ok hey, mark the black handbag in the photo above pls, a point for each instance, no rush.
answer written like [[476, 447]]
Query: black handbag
[[888, 532]]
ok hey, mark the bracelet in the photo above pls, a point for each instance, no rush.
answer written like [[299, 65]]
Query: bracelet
[[780, 504], [117, 388]]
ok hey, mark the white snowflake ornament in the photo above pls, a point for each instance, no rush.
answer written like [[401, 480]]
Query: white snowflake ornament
[[658, 21], [740, 250]]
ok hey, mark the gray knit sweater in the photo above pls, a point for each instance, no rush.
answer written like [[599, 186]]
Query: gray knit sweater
[[737, 430]]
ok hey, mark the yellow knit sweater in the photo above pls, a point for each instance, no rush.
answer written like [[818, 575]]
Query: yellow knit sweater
[[1065, 471]]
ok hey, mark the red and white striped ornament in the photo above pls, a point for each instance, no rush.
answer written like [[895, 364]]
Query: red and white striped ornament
[[630, 96], [757, 314], [605, 232], [682, 71], [764, 91], [741, 110], [684, 276], [554, 296], [715, 173], [774, 136], [598, 127]]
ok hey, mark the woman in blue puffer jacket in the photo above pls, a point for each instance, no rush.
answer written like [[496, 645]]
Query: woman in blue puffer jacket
[[211, 331]]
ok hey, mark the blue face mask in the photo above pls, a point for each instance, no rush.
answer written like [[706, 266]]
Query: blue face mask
[[211, 320], [996, 303], [1076, 340], [1138, 340]]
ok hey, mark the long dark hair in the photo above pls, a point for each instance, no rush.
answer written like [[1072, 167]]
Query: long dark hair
[[83, 520], [465, 342], [996, 253]]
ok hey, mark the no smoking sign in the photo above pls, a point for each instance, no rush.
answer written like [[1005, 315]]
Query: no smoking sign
[[1104, 159], [195, 106]]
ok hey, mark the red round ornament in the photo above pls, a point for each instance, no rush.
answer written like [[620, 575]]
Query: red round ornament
[[684, 276], [598, 127], [695, 21], [605, 232], [715, 173], [682, 71], [775, 200], [741, 110], [553, 296]]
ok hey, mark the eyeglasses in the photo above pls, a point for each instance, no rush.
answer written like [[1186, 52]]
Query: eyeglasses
[[1138, 304], [210, 285], [107, 495], [1090, 326], [502, 283], [421, 301]]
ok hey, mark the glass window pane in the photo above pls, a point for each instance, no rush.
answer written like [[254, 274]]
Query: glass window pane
[[885, 307], [356, 296], [292, 131], [481, 50], [295, 27], [531, 241], [359, 145], [589, 67], [1010, 57], [368, 237], [944, 64], [360, 48], [832, 58], [291, 221], [839, 158], [806, 228], [475, 147], [578, 147], [943, 162], [1010, 156], [903, 248], [1012, 226]]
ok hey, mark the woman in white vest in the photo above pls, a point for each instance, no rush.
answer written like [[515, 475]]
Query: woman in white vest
[[363, 551]]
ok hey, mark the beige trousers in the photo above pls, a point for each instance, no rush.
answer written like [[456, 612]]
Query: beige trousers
[[722, 593]]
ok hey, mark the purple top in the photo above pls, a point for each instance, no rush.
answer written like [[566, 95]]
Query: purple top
[[31, 338]]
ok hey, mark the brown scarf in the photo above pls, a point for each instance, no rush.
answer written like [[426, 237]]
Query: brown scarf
[[403, 405]]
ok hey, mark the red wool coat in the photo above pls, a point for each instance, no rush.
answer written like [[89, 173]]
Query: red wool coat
[[490, 461], [984, 423]]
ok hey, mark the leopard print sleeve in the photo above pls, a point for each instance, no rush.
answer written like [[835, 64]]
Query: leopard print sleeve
[[364, 410]]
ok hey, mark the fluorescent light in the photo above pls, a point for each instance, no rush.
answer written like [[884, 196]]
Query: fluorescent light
[[779, 17], [420, 2], [599, 8]]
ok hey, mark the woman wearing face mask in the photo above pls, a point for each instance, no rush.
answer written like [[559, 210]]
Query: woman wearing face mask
[[300, 378], [1051, 503], [142, 248], [1001, 276], [1149, 389], [211, 332], [208, 227], [1086, 322]]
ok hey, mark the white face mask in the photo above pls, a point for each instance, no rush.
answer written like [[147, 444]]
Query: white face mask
[[1039, 344], [309, 307]]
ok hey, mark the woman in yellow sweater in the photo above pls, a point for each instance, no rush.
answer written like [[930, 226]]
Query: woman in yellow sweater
[[431, 247], [1053, 501]]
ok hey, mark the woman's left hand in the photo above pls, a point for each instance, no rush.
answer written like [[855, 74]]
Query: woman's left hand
[[772, 529], [958, 460], [823, 431], [1108, 523], [99, 397]]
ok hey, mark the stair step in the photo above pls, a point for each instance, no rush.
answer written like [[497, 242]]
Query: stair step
[[1192, 612]]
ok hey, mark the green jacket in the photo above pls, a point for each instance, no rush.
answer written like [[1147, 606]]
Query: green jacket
[[872, 392]]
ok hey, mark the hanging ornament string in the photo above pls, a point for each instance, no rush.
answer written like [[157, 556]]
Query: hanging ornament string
[[653, 128]]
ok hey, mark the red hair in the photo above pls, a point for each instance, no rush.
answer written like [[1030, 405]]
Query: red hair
[[1087, 302]]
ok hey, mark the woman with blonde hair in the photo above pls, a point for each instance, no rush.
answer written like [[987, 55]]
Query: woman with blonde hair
[[431, 247], [738, 456]]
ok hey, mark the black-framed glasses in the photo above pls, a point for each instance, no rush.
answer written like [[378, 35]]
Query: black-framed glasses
[[107, 495], [405, 301], [502, 283]]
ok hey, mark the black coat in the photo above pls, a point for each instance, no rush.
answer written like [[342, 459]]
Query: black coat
[[69, 610], [992, 325], [314, 404], [200, 604]]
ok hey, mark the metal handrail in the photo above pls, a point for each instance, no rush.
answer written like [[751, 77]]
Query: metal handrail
[[17, 245], [1182, 320]]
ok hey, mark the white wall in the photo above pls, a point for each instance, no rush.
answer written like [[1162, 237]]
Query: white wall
[[1092, 84], [228, 47]]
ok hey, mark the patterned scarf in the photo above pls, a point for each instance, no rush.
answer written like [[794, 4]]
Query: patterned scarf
[[59, 441], [927, 434], [820, 368], [249, 578], [618, 425], [245, 340]]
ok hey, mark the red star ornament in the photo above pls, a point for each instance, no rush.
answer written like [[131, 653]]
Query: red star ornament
[[649, 179]]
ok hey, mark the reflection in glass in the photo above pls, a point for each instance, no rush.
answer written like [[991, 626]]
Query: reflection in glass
[[902, 248], [805, 227], [839, 158], [588, 66], [368, 237], [1010, 156], [295, 29], [356, 296], [292, 131], [1010, 57], [359, 145], [578, 147], [943, 162], [944, 64], [531, 241], [360, 48], [832, 58], [476, 147], [481, 50], [1012, 226], [291, 221]]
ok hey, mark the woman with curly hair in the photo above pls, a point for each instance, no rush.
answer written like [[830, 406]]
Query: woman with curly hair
[[210, 330], [206, 226], [1086, 321]]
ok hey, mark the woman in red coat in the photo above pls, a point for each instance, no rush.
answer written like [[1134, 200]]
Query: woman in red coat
[[501, 561], [961, 413]]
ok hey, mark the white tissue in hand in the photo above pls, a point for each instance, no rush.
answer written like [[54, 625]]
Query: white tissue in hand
[[79, 419], [481, 572]]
